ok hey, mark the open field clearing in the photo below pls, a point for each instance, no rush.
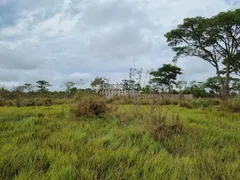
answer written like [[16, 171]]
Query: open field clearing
[[50, 143]]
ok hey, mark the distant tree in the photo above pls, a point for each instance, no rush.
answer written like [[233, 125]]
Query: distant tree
[[180, 85], [215, 40], [165, 76], [99, 83], [128, 85], [146, 89], [133, 82], [135, 75], [69, 85], [29, 87], [20, 89], [137, 87], [43, 86], [196, 89], [73, 90], [214, 85]]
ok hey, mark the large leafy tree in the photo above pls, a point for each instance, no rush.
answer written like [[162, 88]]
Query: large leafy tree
[[215, 40], [43, 85], [165, 76], [29, 87], [69, 85], [197, 89], [213, 84], [99, 83], [180, 85]]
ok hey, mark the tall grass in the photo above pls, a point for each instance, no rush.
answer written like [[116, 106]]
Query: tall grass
[[44, 143], [232, 105]]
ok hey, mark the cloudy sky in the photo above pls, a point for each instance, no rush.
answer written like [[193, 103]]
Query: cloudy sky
[[69, 40]]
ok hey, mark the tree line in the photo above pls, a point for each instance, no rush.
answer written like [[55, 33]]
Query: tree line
[[161, 80]]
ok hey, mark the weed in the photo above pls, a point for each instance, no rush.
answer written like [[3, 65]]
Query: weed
[[232, 105], [160, 125], [200, 103], [2, 101], [91, 105], [41, 143]]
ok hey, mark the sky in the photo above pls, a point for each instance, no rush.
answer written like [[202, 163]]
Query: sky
[[77, 40]]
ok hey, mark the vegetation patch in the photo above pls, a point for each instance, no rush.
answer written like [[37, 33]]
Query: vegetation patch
[[91, 105], [232, 105]]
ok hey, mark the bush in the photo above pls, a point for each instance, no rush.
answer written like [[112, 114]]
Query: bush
[[38, 102], [214, 101], [232, 105], [90, 105], [121, 100], [48, 102], [200, 103], [186, 104], [10, 103], [29, 102], [2, 102], [158, 125]]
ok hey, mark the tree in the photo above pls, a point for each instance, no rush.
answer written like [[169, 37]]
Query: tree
[[214, 85], [128, 85], [73, 90], [99, 83], [69, 85], [134, 81], [20, 89], [196, 89], [42, 85], [146, 89], [180, 85], [235, 85], [137, 87], [215, 40], [165, 76], [29, 87]]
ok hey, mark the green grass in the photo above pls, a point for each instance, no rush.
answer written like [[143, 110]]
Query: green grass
[[49, 143]]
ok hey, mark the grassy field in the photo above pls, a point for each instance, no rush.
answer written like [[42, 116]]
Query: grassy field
[[49, 143]]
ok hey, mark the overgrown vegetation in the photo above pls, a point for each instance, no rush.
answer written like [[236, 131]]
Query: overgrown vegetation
[[90, 105], [232, 105], [135, 142]]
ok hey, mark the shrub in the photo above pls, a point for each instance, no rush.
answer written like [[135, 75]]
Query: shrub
[[186, 104], [10, 103], [48, 102], [232, 105], [2, 102], [121, 100], [158, 125], [90, 105], [214, 101], [38, 102], [29, 102], [18, 99], [200, 103]]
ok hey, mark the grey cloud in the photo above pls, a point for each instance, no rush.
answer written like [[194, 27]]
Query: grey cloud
[[122, 43], [112, 12], [12, 59], [63, 40]]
